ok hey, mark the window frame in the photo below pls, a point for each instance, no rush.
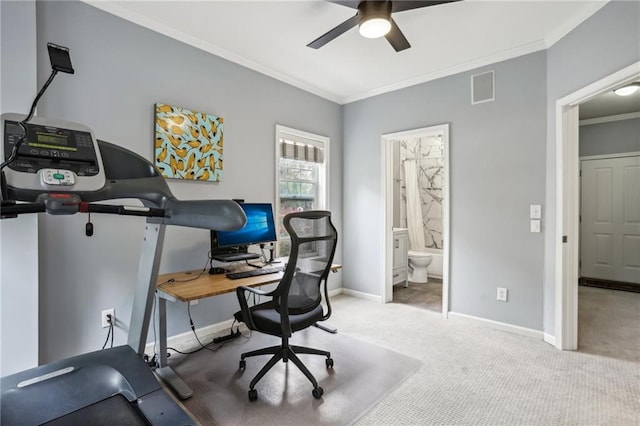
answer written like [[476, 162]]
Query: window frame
[[323, 182]]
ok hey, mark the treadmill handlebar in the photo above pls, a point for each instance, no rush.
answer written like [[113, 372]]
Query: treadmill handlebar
[[121, 210], [66, 204]]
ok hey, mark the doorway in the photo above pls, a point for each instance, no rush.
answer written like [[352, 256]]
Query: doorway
[[610, 221], [438, 238], [567, 203], [609, 268]]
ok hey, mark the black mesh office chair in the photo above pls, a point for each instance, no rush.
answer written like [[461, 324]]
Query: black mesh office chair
[[296, 303]]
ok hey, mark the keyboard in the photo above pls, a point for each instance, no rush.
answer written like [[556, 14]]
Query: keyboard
[[253, 272]]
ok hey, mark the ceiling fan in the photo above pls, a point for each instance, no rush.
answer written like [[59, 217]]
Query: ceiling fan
[[374, 20]]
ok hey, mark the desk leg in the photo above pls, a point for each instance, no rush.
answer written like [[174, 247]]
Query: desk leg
[[166, 373]]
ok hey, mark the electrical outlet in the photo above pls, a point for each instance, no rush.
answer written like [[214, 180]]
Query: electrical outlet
[[502, 294], [105, 318]]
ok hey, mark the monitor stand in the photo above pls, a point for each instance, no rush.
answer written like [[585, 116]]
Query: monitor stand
[[272, 249], [232, 257]]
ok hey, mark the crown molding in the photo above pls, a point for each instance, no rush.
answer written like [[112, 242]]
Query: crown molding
[[590, 8], [165, 29], [465, 66]]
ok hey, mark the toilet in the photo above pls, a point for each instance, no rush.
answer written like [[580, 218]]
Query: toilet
[[418, 263]]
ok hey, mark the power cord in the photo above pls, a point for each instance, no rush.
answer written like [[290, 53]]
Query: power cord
[[153, 361], [223, 340], [173, 280], [110, 333]]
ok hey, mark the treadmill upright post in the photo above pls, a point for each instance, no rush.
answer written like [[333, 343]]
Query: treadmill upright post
[[146, 285]]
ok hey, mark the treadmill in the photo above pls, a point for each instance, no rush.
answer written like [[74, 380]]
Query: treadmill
[[60, 168]]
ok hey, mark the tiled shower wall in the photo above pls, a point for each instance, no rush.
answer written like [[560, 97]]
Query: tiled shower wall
[[429, 153]]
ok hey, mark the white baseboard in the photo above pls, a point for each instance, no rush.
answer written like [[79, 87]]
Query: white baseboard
[[497, 325], [550, 339], [335, 292], [361, 295]]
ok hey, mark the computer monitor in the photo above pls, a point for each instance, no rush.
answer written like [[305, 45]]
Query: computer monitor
[[259, 229]]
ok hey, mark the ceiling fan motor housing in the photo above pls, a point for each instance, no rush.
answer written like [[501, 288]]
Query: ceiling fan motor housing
[[374, 9], [374, 19]]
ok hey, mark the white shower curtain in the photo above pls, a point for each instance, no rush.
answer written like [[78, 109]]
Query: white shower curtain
[[414, 206]]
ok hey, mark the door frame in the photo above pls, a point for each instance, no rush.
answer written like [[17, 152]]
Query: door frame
[[567, 202], [387, 214]]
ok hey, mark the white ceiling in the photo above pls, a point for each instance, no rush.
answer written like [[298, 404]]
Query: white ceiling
[[271, 37], [609, 104]]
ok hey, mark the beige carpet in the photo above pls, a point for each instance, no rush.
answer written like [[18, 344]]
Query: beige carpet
[[362, 375], [609, 323], [474, 375]]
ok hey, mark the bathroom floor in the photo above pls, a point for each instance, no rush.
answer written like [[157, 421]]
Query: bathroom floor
[[426, 296]]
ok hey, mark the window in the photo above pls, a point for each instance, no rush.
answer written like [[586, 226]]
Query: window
[[302, 164]]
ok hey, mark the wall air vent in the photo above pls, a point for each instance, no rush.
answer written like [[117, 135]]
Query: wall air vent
[[483, 87]]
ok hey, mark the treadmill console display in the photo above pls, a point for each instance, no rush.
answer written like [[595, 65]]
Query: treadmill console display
[[69, 149], [54, 155]]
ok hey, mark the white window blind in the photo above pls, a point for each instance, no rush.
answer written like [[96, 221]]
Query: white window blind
[[294, 150]]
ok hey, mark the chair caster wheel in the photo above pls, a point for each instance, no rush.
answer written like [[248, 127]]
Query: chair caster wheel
[[329, 362], [317, 392], [253, 395], [242, 364]]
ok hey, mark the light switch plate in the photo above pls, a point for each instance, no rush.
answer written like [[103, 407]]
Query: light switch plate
[[535, 211]]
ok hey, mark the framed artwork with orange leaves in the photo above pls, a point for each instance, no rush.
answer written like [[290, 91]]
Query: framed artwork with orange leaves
[[188, 144]]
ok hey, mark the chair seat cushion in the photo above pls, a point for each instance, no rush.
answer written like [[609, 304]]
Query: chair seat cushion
[[267, 319]]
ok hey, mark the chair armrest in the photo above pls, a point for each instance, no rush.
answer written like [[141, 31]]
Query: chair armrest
[[326, 299], [242, 289], [244, 306]]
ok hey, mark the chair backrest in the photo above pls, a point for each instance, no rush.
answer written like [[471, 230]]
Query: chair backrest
[[313, 244]]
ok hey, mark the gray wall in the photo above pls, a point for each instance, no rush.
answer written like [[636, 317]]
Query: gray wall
[[19, 236], [605, 43], [498, 165], [610, 138], [121, 71], [497, 153]]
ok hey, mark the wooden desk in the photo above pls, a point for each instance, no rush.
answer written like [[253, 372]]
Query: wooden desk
[[193, 285], [185, 287]]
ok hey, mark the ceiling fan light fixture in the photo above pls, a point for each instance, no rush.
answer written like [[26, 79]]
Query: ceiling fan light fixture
[[374, 27], [375, 18], [627, 90]]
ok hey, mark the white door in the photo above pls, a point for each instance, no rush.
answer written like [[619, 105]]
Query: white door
[[610, 213]]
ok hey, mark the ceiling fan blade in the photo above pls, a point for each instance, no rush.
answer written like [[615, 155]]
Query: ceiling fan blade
[[399, 6], [395, 37], [335, 32], [353, 4]]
